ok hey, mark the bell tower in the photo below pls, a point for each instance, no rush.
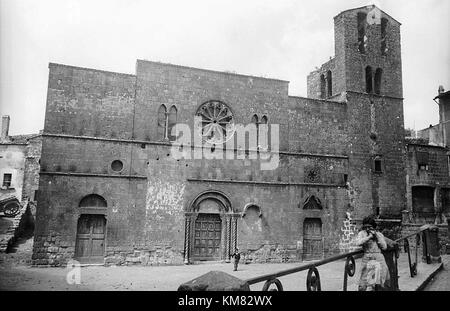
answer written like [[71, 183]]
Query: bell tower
[[367, 57], [367, 48], [366, 74]]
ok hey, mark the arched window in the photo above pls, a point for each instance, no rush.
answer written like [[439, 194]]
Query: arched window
[[369, 80], [362, 39], [378, 164], [93, 200], [263, 140], [255, 121], [329, 84], [378, 75], [172, 120], [322, 86], [384, 47], [162, 122]]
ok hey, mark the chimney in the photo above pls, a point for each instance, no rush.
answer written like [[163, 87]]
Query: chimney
[[5, 128]]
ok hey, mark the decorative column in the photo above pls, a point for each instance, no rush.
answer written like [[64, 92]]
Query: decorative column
[[227, 238], [188, 228], [234, 229], [223, 237]]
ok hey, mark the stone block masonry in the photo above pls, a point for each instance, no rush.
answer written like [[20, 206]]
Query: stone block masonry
[[112, 191]]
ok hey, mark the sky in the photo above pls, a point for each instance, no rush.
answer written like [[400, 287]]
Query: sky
[[283, 39]]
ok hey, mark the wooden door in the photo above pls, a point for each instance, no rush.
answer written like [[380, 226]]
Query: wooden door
[[312, 239], [90, 243], [207, 235]]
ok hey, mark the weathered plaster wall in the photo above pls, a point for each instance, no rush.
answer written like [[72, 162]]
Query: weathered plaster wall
[[12, 161]]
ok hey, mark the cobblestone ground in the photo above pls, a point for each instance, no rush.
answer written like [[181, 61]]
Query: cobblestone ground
[[150, 278], [16, 275]]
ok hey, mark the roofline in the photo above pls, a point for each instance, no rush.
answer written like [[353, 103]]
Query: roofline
[[90, 69], [365, 7], [424, 145], [12, 143], [9, 143], [213, 71]]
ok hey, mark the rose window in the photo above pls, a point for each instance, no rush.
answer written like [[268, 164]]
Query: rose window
[[215, 122]]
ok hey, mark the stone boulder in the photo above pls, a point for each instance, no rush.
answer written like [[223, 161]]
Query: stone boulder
[[215, 281]]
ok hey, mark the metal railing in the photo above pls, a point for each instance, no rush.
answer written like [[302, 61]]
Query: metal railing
[[391, 255]]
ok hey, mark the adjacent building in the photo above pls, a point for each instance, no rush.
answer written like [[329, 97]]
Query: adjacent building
[[428, 174], [19, 173]]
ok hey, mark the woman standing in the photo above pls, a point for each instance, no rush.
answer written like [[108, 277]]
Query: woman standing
[[374, 271]]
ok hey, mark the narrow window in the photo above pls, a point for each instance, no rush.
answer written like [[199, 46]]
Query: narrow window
[[362, 39], [172, 120], [369, 80], [330, 84], [378, 75], [162, 122], [263, 137], [256, 122], [384, 47], [7, 180], [322, 86], [378, 168]]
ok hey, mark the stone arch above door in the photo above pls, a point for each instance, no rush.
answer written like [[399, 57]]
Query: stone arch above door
[[210, 224], [211, 202], [93, 204]]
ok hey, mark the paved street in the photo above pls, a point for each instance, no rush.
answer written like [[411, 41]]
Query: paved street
[[22, 277], [441, 282]]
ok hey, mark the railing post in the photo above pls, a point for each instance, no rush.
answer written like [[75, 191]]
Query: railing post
[[431, 246], [390, 256], [425, 256], [394, 280]]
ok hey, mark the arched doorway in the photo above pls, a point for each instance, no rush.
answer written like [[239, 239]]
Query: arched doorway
[[312, 239], [211, 228], [91, 229]]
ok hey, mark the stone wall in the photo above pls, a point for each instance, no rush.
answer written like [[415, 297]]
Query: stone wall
[[327, 149], [375, 131], [355, 62], [89, 102], [148, 197], [32, 168]]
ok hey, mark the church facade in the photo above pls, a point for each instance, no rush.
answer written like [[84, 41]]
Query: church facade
[[113, 187]]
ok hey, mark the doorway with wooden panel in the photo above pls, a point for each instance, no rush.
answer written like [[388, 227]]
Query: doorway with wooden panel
[[312, 239], [90, 242]]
